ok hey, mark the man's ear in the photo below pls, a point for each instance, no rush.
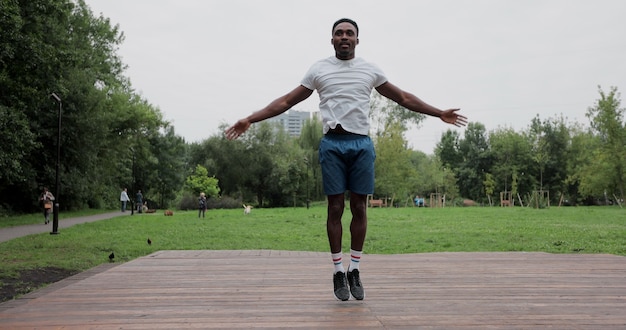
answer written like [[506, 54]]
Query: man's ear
[[331, 41], [357, 41]]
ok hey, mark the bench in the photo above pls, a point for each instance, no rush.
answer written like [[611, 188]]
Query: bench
[[377, 202]]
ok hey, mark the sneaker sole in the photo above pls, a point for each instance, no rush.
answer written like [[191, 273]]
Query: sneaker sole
[[355, 298], [339, 299]]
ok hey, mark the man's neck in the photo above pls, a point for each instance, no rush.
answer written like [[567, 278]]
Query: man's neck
[[345, 57]]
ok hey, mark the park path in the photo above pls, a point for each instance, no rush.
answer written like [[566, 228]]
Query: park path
[[10, 233]]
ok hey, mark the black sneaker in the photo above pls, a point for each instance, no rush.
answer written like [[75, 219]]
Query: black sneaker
[[341, 286], [356, 288]]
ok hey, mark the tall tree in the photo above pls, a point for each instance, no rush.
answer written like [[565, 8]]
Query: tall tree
[[170, 154], [393, 168], [477, 160], [200, 182], [309, 141], [581, 154], [384, 112], [60, 46], [447, 150], [550, 140], [607, 122], [512, 157]]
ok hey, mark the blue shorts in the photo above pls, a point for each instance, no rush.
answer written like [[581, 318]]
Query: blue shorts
[[347, 164]]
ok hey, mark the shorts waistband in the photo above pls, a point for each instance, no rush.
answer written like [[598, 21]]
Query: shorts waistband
[[338, 130]]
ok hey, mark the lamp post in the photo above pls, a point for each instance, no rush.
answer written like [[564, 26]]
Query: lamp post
[[308, 199], [55, 217], [132, 204]]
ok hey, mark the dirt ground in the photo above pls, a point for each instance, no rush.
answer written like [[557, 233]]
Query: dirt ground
[[30, 280]]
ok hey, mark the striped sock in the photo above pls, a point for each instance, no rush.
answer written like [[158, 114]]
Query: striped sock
[[355, 258], [338, 262]]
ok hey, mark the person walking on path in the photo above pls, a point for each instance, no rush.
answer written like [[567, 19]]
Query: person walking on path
[[46, 199], [344, 84], [124, 199]]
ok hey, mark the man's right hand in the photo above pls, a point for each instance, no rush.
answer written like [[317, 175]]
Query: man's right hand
[[235, 131]]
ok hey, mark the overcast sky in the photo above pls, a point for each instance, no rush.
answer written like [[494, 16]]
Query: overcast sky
[[206, 62]]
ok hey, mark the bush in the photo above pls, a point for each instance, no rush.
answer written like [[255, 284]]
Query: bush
[[188, 202], [224, 202]]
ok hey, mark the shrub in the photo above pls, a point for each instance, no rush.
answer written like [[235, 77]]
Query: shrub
[[224, 202], [188, 202]]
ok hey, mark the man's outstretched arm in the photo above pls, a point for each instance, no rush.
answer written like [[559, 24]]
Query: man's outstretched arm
[[275, 108], [413, 103]]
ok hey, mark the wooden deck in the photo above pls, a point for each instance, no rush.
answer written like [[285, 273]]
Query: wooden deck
[[283, 289]]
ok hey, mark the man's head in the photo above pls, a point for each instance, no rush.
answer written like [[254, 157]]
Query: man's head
[[345, 38], [346, 20]]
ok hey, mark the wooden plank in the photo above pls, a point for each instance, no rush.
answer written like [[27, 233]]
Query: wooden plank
[[293, 289]]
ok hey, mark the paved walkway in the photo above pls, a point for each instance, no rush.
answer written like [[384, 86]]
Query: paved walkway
[[10, 233]]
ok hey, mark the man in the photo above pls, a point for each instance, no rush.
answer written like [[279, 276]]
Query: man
[[124, 199], [344, 84], [139, 200]]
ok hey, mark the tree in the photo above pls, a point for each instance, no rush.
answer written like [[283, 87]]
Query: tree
[[393, 168], [390, 121], [489, 185], [199, 181], [447, 150], [550, 140], [60, 46], [581, 155], [169, 151], [607, 172], [511, 157], [309, 141], [383, 112], [477, 160]]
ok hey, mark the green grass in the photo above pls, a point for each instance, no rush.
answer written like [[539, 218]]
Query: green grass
[[31, 219], [390, 231]]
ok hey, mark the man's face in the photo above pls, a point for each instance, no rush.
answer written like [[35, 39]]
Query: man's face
[[344, 40]]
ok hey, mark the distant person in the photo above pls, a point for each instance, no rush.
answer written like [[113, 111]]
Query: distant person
[[344, 84], [124, 199], [46, 199], [139, 200], [202, 205]]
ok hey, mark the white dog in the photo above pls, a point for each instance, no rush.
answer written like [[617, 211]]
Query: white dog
[[247, 209]]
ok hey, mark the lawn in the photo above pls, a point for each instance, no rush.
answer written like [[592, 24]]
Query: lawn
[[390, 231]]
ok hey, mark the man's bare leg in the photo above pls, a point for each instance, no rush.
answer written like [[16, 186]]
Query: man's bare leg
[[358, 230], [334, 228], [358, 225]]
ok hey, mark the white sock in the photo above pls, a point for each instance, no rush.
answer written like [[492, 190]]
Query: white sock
[[338, 262], [355, 259]]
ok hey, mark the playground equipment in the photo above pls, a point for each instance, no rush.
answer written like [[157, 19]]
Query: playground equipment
[[506, 198]]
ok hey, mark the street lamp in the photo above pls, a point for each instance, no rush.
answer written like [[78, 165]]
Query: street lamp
[[308, 199], [132, 204], [55, 217]]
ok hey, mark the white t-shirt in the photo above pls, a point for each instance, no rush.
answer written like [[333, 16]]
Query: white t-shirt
[[344, 88]]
